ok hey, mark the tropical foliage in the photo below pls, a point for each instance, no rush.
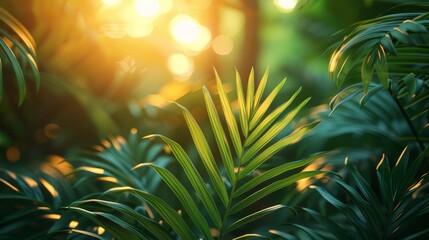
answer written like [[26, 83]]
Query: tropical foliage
[[255, 164]]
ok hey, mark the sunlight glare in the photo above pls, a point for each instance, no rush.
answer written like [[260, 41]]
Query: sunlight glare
[[185, 29], [100, 230], [138, 30], [9, 185], [52, 216], [30, 182], [190, 33], [51, 189], [222, 45], [147, 8], [114, 30], [108, 179], [111, 3], [92, 170], [73, 224], [286, 5], [165, 6], [180, 65], [201, 4]]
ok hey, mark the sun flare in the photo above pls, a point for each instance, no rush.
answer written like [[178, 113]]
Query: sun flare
[[147, 8], [187, 31], [286, 5]]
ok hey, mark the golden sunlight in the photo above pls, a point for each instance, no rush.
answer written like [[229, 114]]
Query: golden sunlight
[[9, 185], [190, 33], [49, 187], [73, 224], [111, 3], [180, 65], [165, 6], [286, 5], [222, 45], [52, 216], [147, 8], [100, 230], [92, 170], [30, 182], [139, 29]]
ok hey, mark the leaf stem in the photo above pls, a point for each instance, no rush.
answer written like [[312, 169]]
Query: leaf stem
[[408, 120], [228, 207]]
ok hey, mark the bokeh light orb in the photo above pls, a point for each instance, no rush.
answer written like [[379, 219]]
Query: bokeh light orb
[[147, 8], [286, 5], [222, 45], [180, 65], [188, 32]]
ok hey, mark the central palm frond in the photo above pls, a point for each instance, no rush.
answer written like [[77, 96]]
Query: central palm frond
[[214, 203]]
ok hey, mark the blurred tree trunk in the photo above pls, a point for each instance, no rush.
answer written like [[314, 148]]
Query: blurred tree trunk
[[250, 45]]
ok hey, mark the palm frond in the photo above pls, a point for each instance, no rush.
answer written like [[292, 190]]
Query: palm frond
[[30, 203], [113, 161], [390, 46], [215, 208], [17, 54], [395, 209], [389, 52]]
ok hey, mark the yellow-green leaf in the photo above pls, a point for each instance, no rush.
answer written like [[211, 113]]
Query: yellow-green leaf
[[220, 136]]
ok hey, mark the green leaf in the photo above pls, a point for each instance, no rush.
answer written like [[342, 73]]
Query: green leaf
[[272, 129], [154, 228], [345, 95], [270, 174], [381, 67], [184, 197], [417, 235], [274, 148], [206, 155], [282, 234], [250, 94], [251, 236], [170, 216], [272, 188], [367, 70], [372, 91], [220, 136], [29, 56], [260, 90], [19, 29], [313, 233], [195, 179], [266, 123], [411, 25], [241, 105], [401, 36], [229, 117], [252, 217], [331, 226], [86, 233], [411, 83], [16, 69], [371, 210], [114, 225], [261, 110], [345, 209], [387, 43]]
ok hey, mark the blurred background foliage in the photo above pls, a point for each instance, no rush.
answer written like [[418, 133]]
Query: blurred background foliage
[[109, 66]]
